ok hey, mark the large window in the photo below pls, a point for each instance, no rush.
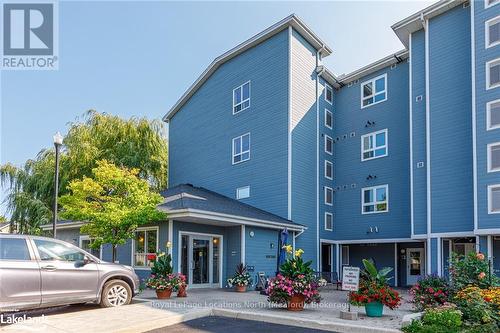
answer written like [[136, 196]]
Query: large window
[[374, 91], [14, 249], [329, 221], [493, 115], [328, 94], [494, 199], [328, 119], [241, 98], [375, 199], [49, 250], [328, 145], [374, 145], [492, 28], [328, 196], [328, 169], [493, 74], [494, 157], [145, 246], [85, 244], [241, 148]]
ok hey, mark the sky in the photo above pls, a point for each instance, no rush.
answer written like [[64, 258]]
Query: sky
[[136, 58]]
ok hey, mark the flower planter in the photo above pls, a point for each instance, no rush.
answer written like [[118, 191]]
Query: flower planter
[[182, 292], [296, 303], [374, 309], [163, 293], [241, 289]]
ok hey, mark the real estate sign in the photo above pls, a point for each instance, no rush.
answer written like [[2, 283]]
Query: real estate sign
[[350, 278]]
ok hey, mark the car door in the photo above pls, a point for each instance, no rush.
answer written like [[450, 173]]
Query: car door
[[65, 277], [19, 275]]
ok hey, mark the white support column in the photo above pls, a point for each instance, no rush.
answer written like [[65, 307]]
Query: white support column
[[293, 241], [243, 244], [439, 257], [490, 247], [395, 264], [337, 249], [170, 240], [332, 255]]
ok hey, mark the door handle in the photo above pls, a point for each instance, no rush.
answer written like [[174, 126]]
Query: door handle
[[49, 268]]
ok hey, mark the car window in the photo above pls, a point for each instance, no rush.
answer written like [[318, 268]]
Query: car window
[[14, 249], [56, 251]]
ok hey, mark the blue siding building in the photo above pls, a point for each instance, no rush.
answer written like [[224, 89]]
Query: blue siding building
[[398, 161]]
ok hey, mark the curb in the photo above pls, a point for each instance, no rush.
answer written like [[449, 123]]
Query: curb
[[306, 323]]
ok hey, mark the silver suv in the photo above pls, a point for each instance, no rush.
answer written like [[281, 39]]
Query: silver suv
[[37, 272]]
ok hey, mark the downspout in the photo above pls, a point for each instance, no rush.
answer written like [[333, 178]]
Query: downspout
[[317, 162]]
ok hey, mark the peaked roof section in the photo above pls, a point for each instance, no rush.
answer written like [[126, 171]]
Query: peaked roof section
[[188, 198], [414, 22], [291, 20]]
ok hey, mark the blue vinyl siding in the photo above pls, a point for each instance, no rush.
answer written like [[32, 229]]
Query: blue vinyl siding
[[351, 173], [202, 131], [382, 256], [483, 96], [450, 122], [262, 251], [419, 133]]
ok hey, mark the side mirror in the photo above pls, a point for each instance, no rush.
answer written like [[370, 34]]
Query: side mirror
[[80, 263]]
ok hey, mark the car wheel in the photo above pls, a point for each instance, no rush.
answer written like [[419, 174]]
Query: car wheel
[[115, 293]]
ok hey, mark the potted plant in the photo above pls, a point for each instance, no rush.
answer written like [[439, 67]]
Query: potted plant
[[295, 285], [162, 280], [241, 279], [181, 285], [374, 291]]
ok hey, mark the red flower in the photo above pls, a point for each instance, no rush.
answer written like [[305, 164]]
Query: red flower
[[151, 256]]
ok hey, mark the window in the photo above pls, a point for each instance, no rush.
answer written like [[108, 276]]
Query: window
[[328, 119], [493, 115], [14, 249], [145, 246], [49, 250], [374, 145], [241, 148], [492, 29], [494, 199], [328, 196], [489, 3], [493, 74], [328, 94], [85, 242], [494, 157], [328, 145], [241, 98], [375, 199], [345, 255], [329, 221], [243, 192], [328, 170], [374, 91]]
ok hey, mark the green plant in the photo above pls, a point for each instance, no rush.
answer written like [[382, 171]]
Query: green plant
[[474, 308], [471, 269], [371, 274], [162, 264], [241, 277], [163, 282], [449, 317], [430, 291]]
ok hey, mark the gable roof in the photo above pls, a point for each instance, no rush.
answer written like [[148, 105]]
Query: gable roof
[[291, 20], [188, 198]]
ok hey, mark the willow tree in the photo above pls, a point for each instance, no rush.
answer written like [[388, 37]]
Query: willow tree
[[136, 143]]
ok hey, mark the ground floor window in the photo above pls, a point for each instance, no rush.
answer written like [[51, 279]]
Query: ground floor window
[[85, 242], [464, 246], [145, 246], [345, 255]]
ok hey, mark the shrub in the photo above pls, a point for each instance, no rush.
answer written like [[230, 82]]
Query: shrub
[[475, 309], [444, 319], [430, 291], [471, 269]]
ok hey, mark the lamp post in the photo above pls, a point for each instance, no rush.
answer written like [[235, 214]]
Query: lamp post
[[58, 139]]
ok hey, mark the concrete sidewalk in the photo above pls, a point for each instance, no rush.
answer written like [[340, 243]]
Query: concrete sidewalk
[[148, 313]]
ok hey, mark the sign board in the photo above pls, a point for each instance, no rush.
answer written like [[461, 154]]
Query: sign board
[[350, 278]]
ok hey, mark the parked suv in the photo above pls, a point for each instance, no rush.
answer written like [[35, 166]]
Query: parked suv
[[38, 272]]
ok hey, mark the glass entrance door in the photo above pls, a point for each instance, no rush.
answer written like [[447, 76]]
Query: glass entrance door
[[200, 259], [414, 265]]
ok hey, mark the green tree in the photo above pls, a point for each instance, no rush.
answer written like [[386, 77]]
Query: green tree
[[3, 219], [114, 202], [133, 143]]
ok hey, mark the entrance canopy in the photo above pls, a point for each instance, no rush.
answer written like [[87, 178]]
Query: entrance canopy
[[198, 205]]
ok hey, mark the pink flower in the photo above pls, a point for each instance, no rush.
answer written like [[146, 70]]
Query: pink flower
[[481, 275], [480, 256]]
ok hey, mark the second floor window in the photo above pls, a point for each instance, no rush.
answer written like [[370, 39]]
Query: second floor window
[[375, 199], [493, 32], [494, 157], [328, 94], [328, 145], [493, 74], [241, 98], [374, 91], [241, 148], [374, 145], [328, 118], [493, 115]]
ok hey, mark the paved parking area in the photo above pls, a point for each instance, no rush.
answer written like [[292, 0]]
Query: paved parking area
[[223, 324]]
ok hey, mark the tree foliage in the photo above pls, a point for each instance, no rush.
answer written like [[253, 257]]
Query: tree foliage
[[114, 202], [133, 143]]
